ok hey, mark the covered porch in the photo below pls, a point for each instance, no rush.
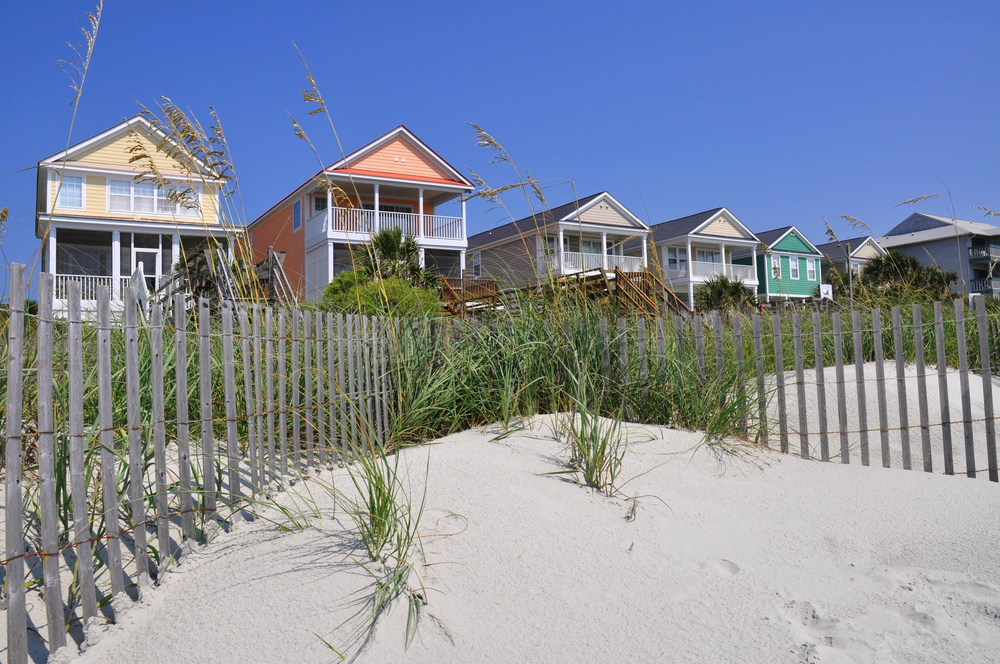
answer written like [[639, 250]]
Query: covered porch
[[570, 251], [688, 263]]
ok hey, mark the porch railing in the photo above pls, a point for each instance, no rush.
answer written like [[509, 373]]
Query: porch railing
[[354, 220], [444, 228], [984, 252], [89, 285], [742, 272], [987, 285]]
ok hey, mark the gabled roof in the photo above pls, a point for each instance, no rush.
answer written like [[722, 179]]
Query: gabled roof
[[136, 121], [682, 225], [836, 251], [565, 213], [922, 227], [772, 237], [344, 164]]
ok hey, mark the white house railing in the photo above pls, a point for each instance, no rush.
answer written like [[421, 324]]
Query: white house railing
[[742, 272], [89, 285], [354, 220], [987, 285], [705, 270]]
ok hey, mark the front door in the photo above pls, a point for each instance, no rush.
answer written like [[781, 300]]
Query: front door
[[149, 259]]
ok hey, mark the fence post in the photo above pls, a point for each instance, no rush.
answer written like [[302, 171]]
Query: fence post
[[661, 346], [605, 359], [883, 415], [258, 367], [319, 457], [942, 372], [207, 421], [109, 488], [46, 468], [307, 392], [331, 361], [342, 354], [229, 386], [800, 386], [679, 332], [820, 361], [159, 436], [77, 457], [352, 364], [17, 617], [901, 401], [987, 376], [699, 346], [859, 376], [366, 374], [269, 351], [640, 332], [740, 372], [242, 313], [963, 372], [838, 354], [779, 374], [623, 348], [377, 376], [183, 425], [135, 456], [925, 430], [282, 392], [296, 378], [758, 349]]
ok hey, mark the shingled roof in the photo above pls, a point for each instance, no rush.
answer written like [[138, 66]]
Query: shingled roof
[[529, 224], [836, 251]]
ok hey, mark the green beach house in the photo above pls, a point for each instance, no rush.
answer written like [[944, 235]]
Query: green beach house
[[788, 265]]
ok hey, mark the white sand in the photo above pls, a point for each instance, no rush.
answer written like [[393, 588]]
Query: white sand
[[761, 559]]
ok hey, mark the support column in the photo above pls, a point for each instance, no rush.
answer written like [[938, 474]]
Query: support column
[[464, 235], [376, 215], [329, 220], [690, 273], [461, 263], [604, 250], [423, 263], [753, 261], [329, 261], [175, 250], [52, 249], [116, 259], [562, 258], [722, 251], [645, 241], [420, 213]]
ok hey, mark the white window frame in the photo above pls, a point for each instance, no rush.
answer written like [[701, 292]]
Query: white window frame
[[775, 266], [793, 268], [477, 264], [704, 254], [83, 192], [676, 256], [388, 207], [810, 269], [159, 195], [296, 225]]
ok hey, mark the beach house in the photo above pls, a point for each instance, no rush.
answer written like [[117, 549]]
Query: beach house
[[589, 233], [100, 219], [970, 249], [396, 181], [788, 265], [855, 251], [693, 249]]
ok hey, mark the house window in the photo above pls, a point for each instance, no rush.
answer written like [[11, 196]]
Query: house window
[[383, 207], [145, 197], [477, 264], [793, 267], [811, 269], [551, 240], [71, 192], [706, 256], [676, 256], [776, 267], [590, 246], [297, 215], [319, 203]]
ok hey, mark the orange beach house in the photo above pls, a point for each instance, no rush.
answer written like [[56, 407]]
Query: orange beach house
[[396, 181]]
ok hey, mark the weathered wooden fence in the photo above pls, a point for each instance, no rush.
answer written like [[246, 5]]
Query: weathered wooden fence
[[280, 391]]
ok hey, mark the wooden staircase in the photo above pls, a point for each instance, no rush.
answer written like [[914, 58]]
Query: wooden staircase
[[461, 296], [644, 290]]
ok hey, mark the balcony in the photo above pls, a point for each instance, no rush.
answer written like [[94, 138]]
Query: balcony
[[988, 285], [365, 222], [984, 252], [575, 261], [702, 271]]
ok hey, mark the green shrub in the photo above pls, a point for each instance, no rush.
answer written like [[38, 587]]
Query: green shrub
[[351, 292]]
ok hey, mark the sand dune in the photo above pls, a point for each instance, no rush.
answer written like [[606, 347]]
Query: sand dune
[[754, 557]]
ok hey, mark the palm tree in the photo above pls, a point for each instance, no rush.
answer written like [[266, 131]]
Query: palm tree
[[725, 295], [391, 255]]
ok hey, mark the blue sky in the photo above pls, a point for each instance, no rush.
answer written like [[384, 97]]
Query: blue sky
[[782, 112]]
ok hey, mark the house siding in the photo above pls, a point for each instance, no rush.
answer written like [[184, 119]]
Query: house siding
[[792, 242], [786, 286], [948, 254], [276, 231], [389, 159], [511, 263], [605, 214], [723, 228]]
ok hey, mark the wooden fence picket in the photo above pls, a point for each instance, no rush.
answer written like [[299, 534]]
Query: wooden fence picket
[[925, 429], [77, 457], [109, 489], [307, 388], [720, 360], [269, 371], [248, 396], [779, 374], [282, 393], [137, 498], [319, 406], [883, 412], [208, 477], [901, 400], [699, 346], [54, 612], [800, 386], [640, 333], [183, 425], [820, 363], [17, 615], [838, 357], [332, 342], [758, 349], [605, 352], [342, 355], [963, 375], [987, 376], [258, 380], [859, 378], [159, 436], [740, 372], [942, 372], [229, 391], [296, 378]]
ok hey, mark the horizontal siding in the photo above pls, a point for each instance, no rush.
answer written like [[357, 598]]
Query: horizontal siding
[[512, 264], [786, 286], [96, 204], [606, 214], [792, 242], [867, 252], [722, 227], [115, 151], [384, 160], [277, 232], [951, 255]]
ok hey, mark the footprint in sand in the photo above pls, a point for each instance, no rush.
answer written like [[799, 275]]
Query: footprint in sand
[[722, 567]]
